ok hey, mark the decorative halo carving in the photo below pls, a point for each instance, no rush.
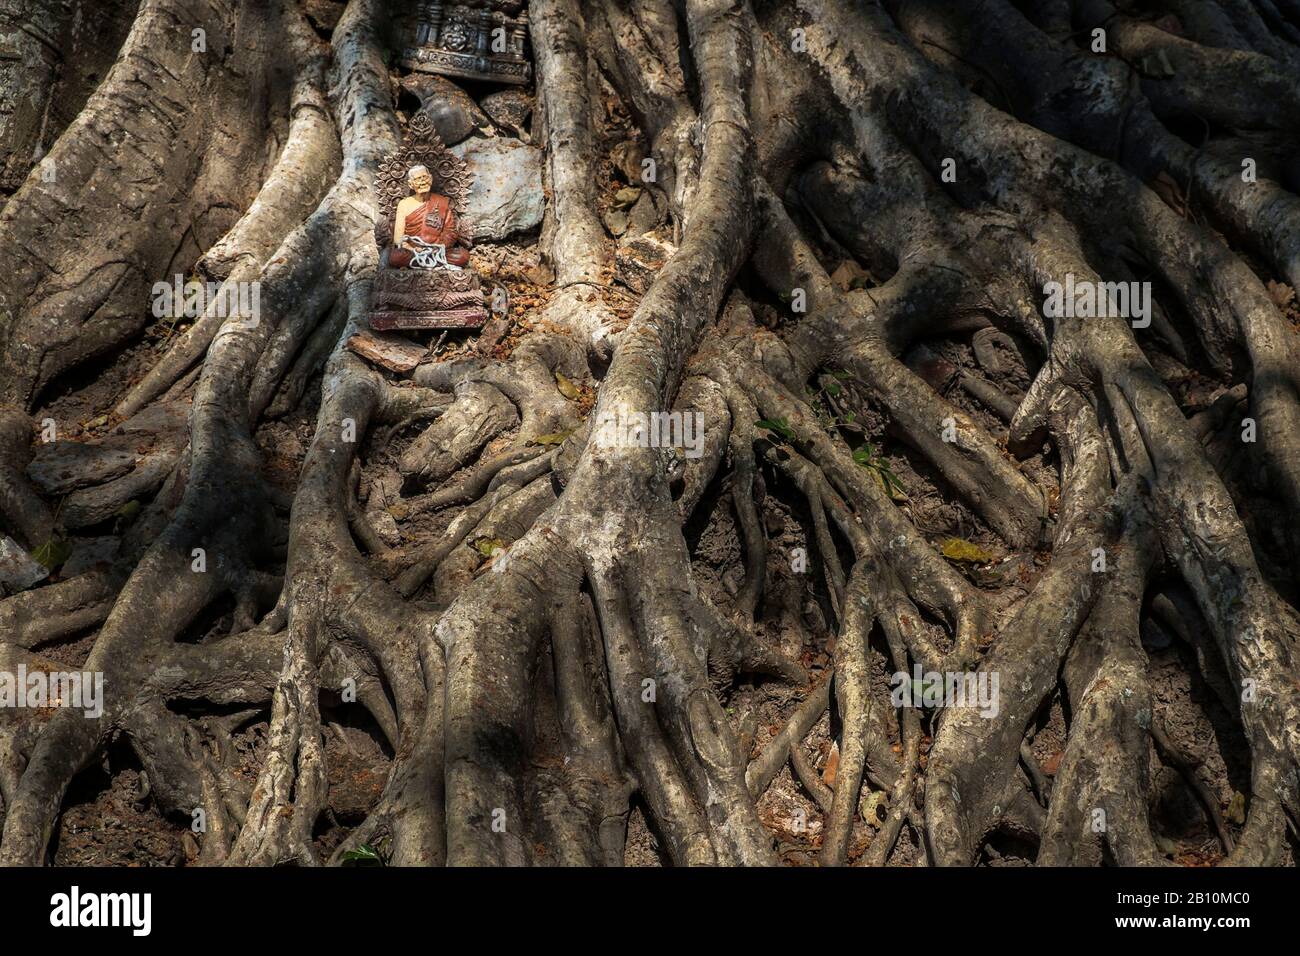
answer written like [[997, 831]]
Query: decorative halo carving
[[421, 146]]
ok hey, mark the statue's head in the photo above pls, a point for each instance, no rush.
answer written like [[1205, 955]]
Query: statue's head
[[419, 179]]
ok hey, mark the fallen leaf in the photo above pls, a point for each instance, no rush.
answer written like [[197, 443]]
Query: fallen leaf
[[874, 805], [1236, 812], [1281, 293], [52, 553], [567, 388], [849, 275], [832, 766], [626, 196], [959, 549], [489, 547]]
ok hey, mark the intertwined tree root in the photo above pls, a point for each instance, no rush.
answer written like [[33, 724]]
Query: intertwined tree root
[[964, 154]]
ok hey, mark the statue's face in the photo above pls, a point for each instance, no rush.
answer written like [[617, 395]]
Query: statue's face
[[420, 183]]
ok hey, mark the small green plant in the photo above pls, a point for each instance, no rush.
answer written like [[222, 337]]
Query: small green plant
[[827, 404], [363, 855], [867, 456]]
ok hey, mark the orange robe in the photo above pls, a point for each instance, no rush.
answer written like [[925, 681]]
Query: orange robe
[[433, 221]]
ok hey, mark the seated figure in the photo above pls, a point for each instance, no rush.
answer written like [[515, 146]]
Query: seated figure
[[424, 228], [423, 281]]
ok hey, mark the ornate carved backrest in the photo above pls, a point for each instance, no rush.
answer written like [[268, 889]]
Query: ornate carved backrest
[[420, 147]]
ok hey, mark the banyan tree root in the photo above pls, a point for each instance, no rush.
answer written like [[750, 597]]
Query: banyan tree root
[[850, 195]]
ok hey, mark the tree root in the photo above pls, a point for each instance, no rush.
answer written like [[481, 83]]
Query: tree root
[[537, 633]]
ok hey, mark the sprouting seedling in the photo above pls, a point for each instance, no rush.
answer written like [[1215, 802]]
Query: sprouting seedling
[[829, 405], [867, 456], [363, 855]]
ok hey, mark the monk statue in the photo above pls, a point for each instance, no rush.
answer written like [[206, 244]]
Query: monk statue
[[424, 228], [423, 281]]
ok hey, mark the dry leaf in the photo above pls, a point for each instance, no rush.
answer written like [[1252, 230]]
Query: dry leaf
[[874, 807], [959, 549], [626, 197], [832, 766], [849, 275], [1236, 812], [1281, 293], [567, 388]]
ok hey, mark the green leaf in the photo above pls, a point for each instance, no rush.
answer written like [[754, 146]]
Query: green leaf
[[833, 388], [778, 425], [489, 547], [52, 553], [865, 454], [364, 855], [893, 487]]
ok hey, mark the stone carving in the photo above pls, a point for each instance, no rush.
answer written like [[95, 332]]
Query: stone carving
[[473, 39]]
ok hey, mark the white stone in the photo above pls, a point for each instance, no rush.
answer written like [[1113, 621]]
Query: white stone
[[506, 194], [18, 571]]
